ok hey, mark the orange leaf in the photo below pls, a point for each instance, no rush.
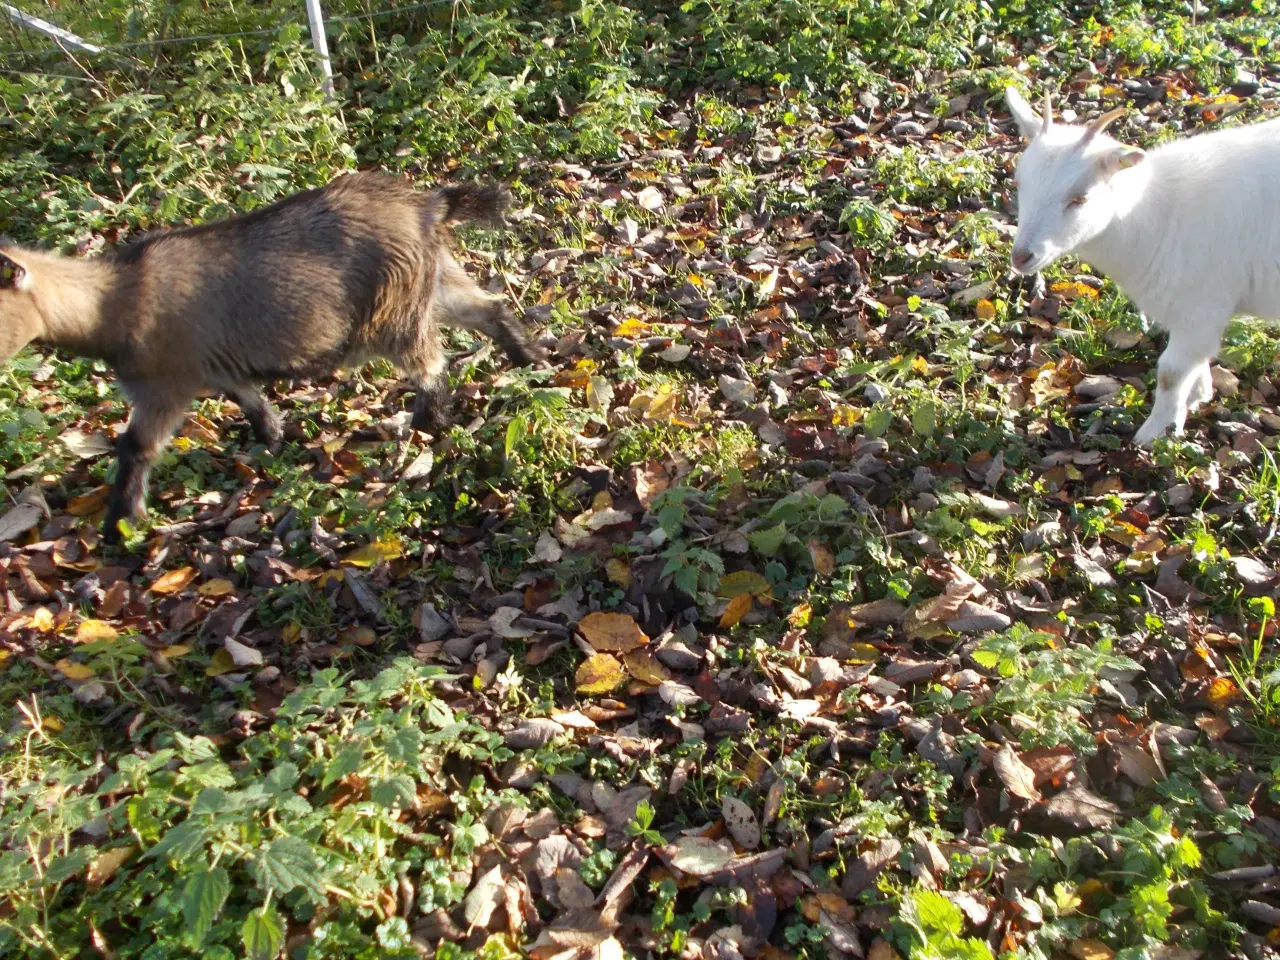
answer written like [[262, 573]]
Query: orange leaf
[[1222, 693], [824, 561], [174, 581], [89, 503], [986, 310], [738, 608]]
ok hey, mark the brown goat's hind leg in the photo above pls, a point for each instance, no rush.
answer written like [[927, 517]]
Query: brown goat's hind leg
[[154, 418], [261, 415]]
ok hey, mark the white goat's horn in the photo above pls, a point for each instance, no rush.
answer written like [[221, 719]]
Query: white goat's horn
[[1095, 127], [1048, 113]]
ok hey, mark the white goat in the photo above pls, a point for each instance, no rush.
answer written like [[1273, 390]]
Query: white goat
[[1190, 231]]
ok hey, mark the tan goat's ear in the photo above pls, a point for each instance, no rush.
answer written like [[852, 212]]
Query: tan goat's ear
[[13, 275]]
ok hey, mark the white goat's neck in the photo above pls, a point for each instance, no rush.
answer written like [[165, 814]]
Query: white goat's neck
[[74, 298], [1124, 248]]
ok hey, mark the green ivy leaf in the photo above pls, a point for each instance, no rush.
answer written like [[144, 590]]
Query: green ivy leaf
[[202, 898], [262, 934]]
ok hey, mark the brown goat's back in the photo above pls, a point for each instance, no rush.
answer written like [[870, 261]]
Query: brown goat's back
[[324, 277]]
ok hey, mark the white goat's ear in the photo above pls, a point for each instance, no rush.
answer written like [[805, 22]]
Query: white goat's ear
[[1029, 122], [13, 275], [1120, 158]]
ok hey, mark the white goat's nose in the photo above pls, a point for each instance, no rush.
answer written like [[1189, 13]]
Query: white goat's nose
[[1021, 257]]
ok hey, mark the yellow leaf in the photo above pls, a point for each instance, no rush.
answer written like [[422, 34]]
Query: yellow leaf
[[52, 724], [612, 632], [599, 674], [920, 365], [1072, 290], [738, 608], [631, 327], [75, 671], [1090, 950], [744, 581], [360, 636], [371, 554], [863, 653], [291, 631], [1222, 693], [176, 650], [800, 616], [42, 620], [328, 577], [221, 663], [845, 416], [619, 571], [105, 866], [645, 667], [216, 588], [986, 310], [824, 561], [174, 580], [91, 631], [768, 285]]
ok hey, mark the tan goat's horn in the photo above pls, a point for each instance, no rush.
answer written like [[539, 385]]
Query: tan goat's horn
[[1095, 127]]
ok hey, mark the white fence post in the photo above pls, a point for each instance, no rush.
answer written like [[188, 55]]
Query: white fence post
[[321, 44], [57, 33]]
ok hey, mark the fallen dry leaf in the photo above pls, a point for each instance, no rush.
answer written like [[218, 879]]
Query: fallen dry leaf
[[611, 632], [599, 674], [738, 608], [173, 581]]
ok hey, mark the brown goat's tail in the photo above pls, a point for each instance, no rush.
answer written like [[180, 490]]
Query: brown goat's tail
[[467, 201]]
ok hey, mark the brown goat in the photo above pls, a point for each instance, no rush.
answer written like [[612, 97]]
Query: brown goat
[[329, 277]]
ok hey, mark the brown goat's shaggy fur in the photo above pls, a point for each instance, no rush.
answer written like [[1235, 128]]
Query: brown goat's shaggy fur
[[328, 277]]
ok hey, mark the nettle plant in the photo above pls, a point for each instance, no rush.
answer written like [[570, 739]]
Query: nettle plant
[[1047, 687], [315, 820]]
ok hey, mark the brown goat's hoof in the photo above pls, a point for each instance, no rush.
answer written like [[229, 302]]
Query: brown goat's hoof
[[435, 424]]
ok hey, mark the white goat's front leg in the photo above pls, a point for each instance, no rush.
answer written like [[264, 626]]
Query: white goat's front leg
[[1201, 387], [1183, 380]]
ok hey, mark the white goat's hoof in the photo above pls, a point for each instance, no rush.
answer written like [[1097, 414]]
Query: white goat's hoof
[[1148, 432]]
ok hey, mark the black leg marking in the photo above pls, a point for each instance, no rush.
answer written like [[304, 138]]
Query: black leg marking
[[128, 497], [262, 417], [429, 406], [509, 334]]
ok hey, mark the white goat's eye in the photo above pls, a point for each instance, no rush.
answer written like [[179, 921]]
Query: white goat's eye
[[1077, 201]]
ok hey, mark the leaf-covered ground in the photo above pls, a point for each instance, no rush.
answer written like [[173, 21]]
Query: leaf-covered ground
[[815, 603]]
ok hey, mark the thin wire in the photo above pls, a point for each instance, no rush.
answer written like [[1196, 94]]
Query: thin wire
[[264, 31], [37, 73]]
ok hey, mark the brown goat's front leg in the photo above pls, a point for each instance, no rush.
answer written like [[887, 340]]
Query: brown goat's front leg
[[509, 334], [430, 406], [156, 414], [261, 415]]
